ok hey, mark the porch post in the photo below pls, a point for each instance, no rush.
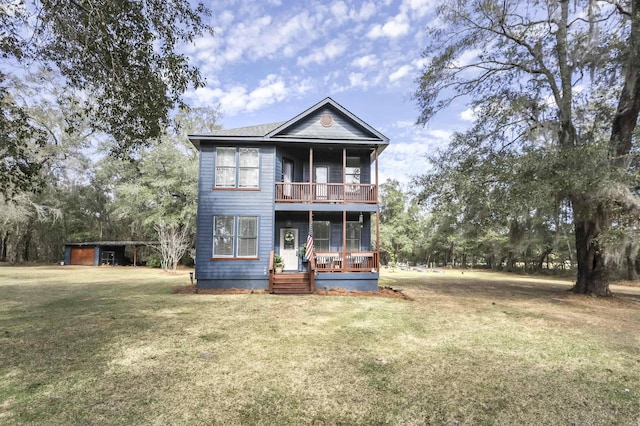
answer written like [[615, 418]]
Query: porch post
[[378, 240], [311, 262], [377, 183], [377, 215], [311, 174], [344, 240], [344, 175]]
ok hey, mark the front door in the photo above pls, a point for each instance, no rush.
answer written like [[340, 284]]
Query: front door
[[288, 248]]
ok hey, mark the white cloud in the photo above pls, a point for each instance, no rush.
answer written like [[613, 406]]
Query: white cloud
[[418, 8], [468, 114], [357, 79], [330, 50], [400, 73], [367, 10], [365, 61], [467, 57], [394, 28], [406, 155], [340, 11], [237, 99]]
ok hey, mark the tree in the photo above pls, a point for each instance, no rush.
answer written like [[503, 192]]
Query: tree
[[527, 61], [401, 224], [158, 192], [121, 58]]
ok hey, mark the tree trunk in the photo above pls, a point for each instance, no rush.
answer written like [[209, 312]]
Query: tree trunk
[[593, 276], [510, 262], [632, 275], [543, 255]]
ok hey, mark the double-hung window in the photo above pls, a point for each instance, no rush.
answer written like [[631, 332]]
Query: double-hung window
[[321, 234], [237, 167], [354, 233], [235, 236], [352, 174]]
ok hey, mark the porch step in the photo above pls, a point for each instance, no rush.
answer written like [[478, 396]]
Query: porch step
[[291, 283]]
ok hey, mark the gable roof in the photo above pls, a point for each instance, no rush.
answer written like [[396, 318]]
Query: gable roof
[[259, 130], [325, 122]]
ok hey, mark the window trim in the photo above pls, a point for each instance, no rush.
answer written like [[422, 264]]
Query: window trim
[[236, 239], [359, 239], [352, 187], [315, 237], [237, 168]]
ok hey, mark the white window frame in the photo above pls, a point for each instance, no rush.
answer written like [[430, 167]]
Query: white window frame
[[355, 225], [316, 224], [236, 237], [232, 236], [239, 169]]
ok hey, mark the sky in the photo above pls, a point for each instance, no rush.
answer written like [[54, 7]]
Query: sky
[[271, 60]]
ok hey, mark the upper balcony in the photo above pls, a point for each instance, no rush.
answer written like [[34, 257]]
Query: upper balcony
[[337, 193]]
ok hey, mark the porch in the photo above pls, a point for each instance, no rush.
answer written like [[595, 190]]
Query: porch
[[305, 192], [350, 270]]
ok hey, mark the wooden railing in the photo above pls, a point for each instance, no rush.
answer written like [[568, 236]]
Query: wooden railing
[[357, 261], [271, 258], [304, 192]]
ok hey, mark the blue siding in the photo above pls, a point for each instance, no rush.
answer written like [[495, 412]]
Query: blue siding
[[348, 281], [342, 127], [230, 273]]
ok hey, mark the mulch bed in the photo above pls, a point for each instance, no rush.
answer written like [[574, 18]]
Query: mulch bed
[[387, 292]]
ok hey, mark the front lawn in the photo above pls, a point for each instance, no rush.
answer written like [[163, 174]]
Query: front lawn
[[87, 345]]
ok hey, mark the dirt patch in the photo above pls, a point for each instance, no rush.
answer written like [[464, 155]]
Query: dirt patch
[[387, 292], [191, 289]]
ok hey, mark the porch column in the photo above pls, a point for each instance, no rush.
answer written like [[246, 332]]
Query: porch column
[[344, 240], [378, 240], [377, 215], [311, 262], [377, 183], [311, 174], [344, 175]]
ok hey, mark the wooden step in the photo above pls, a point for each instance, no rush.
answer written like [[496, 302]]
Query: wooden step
[[291, 283]]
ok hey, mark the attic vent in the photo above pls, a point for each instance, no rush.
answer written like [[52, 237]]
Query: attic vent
[[326, 120]]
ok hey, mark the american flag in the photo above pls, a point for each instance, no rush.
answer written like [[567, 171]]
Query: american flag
[[309, 251]]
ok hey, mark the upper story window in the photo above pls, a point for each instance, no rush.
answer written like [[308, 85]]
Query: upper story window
[[237, 167], [352, 173]]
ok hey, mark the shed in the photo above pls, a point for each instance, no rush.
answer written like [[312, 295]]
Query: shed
[[98, 253]]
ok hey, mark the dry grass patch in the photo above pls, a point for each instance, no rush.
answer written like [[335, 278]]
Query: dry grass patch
[[114, 346]]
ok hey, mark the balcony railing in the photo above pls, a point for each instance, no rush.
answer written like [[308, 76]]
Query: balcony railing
[[304, 192], [357, 261]]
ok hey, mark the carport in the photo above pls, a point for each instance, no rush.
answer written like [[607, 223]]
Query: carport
[[97, 253]]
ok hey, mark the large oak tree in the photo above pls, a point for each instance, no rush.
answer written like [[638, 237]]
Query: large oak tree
[[119, 58], [569, 69]]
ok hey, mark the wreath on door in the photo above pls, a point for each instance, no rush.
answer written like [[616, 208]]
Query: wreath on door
[[289, 237]]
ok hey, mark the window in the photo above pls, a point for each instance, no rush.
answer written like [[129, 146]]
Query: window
[[247, 236], [229, 243], [353, 236], [249, 168], [226, 167], [352, 174], [237, 167], [223, 236], [321, 232]]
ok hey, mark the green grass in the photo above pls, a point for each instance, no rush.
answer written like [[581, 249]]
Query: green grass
[[85, 345]]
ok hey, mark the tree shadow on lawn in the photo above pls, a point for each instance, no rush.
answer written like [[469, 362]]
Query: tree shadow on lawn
[[502, 287]]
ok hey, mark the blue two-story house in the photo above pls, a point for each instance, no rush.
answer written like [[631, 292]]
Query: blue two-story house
[[263, 189]]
